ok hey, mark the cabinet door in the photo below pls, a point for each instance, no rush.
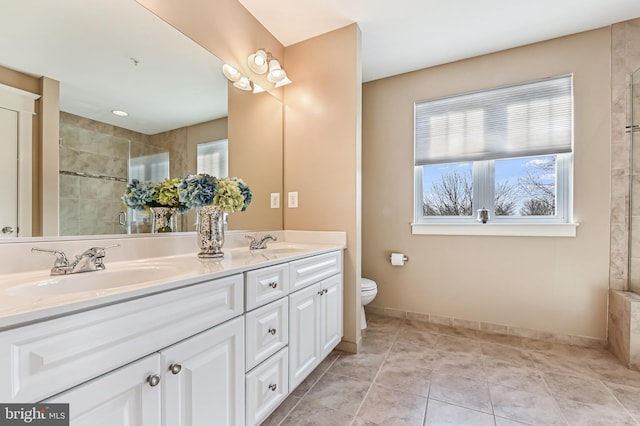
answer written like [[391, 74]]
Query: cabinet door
[[203, 378], [120, 398], [331, 314], [304, 333]]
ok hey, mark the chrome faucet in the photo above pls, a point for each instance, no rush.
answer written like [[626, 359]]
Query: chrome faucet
[[90, 260], [261, 243]]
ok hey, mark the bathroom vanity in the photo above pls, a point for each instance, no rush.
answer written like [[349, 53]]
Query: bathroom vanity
[[203, 342]]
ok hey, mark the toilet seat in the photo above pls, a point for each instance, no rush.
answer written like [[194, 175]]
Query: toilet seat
[[367, 284]]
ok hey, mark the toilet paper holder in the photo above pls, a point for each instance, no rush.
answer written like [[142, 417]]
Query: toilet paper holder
[[405, 258]]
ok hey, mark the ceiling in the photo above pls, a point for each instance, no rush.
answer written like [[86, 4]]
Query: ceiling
[[114, 54], [405, 35]]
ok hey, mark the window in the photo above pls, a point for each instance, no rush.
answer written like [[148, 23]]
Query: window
[[213, 158], [507, 150]]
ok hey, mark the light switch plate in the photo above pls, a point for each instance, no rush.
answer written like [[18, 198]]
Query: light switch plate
[[293, 200], [275, 200]]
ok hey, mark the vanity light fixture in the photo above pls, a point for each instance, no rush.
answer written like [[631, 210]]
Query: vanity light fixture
[[231, 73], [257, 88], [244, 84], [263, 61], [119, 113], [258, 62]]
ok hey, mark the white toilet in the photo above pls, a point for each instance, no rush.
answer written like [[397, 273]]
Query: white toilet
[[369, 289]]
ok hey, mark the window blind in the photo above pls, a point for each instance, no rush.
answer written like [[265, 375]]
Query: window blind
[[533, 118]]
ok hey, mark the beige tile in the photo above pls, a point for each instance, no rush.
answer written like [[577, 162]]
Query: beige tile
[[500, 421], [505, 339], [309, 413], [281, 412], [628, 396], [416, 355], [561, 364], [514, 376], [339, 393], [459, 364], [422, 325], [404, 377], [594, 414], [507, 353], [458, 344], [441, 413], [363, 366], [461, 391], [611, 370], [388, 407], [418, 336], [457, 331], [587, 391], [524, 406]]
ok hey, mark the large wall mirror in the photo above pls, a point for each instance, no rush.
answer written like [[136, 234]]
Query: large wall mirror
[[115, 55]]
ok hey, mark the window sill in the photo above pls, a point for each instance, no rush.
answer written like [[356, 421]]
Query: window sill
[[497, 229]]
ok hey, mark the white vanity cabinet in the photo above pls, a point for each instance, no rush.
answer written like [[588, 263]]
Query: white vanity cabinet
[[224, 351], [122, 397], [199, 381], [315, 313]]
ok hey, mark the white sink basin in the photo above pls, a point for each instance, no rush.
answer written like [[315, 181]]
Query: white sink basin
[[90, 281]]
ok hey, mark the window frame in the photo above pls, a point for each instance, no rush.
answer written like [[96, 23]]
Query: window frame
[[483, 172]]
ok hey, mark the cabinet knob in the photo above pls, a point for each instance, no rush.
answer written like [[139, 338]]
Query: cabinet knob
[[272, 331], [7, 230], [175, 368], [153, 380], [273, 387], [321, 292], [273, 284]]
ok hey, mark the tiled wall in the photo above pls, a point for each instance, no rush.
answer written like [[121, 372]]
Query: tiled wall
[[90, 205], [623, 306]]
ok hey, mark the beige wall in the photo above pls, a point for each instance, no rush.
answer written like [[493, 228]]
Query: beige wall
[[322, 148], [557, 285]]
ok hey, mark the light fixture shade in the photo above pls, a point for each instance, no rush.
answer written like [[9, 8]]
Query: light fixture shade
[[231, 73], [276, 73], [258, 62], [284, 81], [257, 88], [243, 84]]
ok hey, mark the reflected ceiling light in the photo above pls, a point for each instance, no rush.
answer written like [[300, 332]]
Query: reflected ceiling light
[[231, 73], [244, 84], [258, 61], [119, 113]]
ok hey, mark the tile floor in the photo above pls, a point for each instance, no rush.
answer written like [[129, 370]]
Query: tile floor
[[416, 373]]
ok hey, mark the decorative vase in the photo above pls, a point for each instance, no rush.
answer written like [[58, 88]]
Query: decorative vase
[[210, 231], [164, 219]]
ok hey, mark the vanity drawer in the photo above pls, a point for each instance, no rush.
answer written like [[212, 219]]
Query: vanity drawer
[[42, 359], [308, 271], [267, 386], [266, 285], [267, 331]]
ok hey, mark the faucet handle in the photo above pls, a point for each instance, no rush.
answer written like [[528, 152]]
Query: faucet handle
[[97, 251], [61, 258]]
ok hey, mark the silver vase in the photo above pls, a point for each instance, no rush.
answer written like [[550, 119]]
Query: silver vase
[[210, 231], [163, 219]]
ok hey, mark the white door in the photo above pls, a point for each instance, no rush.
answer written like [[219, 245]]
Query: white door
[[304, 333], [203, 378], [9, 173], [123, 397], [331, 316]]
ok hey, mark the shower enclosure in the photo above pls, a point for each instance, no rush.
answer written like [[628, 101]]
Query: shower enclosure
[[633, 128]]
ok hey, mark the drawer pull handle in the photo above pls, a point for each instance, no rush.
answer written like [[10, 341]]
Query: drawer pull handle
[[175, 368], [273, 284], [323, 291], [153, 380], [273, 387], [272, 331]]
